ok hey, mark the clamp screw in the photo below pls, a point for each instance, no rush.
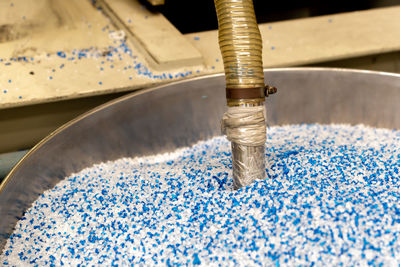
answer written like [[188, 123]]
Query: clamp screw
[[269, 90]]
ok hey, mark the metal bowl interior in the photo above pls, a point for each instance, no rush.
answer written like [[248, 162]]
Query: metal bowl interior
[[179, 114]]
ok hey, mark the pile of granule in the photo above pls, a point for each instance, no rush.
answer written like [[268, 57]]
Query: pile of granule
[[331, 197]]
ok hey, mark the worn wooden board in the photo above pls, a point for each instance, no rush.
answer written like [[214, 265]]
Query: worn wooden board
[[162, 44], [78, 52], [318, 39], [29, 28]]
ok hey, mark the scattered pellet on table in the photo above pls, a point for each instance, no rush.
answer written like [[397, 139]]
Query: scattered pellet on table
[[331, 197]]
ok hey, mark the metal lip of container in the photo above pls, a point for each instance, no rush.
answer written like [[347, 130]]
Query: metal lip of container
[[179, 114]]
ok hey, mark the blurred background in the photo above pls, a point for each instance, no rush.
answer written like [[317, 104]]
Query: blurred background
[[266, 11]]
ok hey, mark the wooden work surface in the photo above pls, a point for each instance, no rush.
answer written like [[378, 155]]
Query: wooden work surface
[[59, 50], [78, 52], [317, 39]]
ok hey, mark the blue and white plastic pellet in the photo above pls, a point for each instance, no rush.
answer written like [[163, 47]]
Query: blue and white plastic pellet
[[331, 197]]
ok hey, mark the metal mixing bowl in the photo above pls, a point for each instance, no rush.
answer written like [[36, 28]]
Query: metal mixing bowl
[[179, 114]]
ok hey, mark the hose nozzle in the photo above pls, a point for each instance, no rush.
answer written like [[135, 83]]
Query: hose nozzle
[[248, 164], [245, 127]]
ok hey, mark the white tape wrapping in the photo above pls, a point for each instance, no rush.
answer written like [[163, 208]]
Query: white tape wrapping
[[245, 125]]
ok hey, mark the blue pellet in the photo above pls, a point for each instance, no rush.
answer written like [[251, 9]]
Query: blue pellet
[[61, 54]]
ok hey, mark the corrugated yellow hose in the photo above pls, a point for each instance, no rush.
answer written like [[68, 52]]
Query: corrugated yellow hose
[[240, 43], [244, 122]]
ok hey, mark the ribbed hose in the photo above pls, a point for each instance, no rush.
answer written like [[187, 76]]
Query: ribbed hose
[[241, 44], [244, 122]]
